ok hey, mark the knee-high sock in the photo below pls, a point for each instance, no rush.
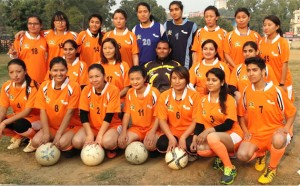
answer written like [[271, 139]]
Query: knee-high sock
[[219, 148], [276, 155]]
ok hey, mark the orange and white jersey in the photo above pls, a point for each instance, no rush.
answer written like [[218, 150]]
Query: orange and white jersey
[[98, 105], [89, 47], [210, 114], [198, 74], [57, 102], [15, 97], [266, 110], [142, 110], [127, 44], [33, 51], [276, 54], [178, 114], [202, 34], [55, 43], [239, 77], [234, 41]]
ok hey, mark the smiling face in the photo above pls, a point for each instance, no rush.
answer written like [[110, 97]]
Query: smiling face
[[209, 51], [109, 50], [94, 25], [213, 83], [69, 51], [96, 78], [58, 73], [137, 81]]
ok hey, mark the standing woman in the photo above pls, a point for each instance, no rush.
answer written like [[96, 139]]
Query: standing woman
[[58, 100], [32, 49], [126, 39], [116, 69], [222, 134], [143, 98], [89, 40], [210, 31], [275, 50], [99, 107], [148, 33], [211, 59], [180, 33], [235, 39], [19, 94], [176, 111]]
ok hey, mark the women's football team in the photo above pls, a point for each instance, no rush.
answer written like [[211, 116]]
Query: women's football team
[[236, 98]]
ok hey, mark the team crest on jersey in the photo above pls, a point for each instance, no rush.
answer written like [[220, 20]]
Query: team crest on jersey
[[91, 105], [169, 32], [87, 44], [51, 42], [251, 105], [138, 37], [26, 46], [170, 108], [47, 99], [132, 107], [237, 44], [11, 97], [244, 77], [199, 74], [186, 107]]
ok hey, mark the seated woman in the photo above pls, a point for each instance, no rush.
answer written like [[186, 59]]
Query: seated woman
[[99, 107], [19, 93]]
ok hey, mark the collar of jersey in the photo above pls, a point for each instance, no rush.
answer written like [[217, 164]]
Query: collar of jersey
[[104, 89], [30, 37], [269, 85], [90, 33], [124, 33], [183, 95], [183, 22], [146, 92], [65, 32], [239, 33], [152, 23], [274, 40], [208, 98], [65, 83], [216, 29], [214, 62], [23, 85]]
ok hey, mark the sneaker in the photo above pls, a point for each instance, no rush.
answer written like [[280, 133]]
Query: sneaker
[[111, 153], [218, 164], [260, 163], [229, 175], [192, 157], [267, 176], [29, 147], [15, 143]]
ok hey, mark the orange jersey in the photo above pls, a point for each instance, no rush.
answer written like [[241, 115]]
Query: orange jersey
[[127, 44], [234, 41], [55, 43], [266, 110], [89, 47], [198, 74], [276, 54], [210, 114], [33, 52], [15, 98], [77, 71], [202, 34], [99, 105], [142, 110], [239, 77], [178, 114], [57, 102]]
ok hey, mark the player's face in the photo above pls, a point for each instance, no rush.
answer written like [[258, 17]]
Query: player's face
[[176, 12], [162, 50], [210, 18], [60, 25], [119, 21], [242, 20], [34, 26], [96, 78], [94, 25], [143, 14], [209, 51], [177, 82], [254, 73], [269, 27], [136, 80], [16, 74], [59, 73], [69, 51], [248, 52], [213, 83], [109, 50]]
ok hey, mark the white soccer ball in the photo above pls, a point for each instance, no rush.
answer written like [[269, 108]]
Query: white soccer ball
[[136, 153], [92, 155], [47, 155], [177, 158]]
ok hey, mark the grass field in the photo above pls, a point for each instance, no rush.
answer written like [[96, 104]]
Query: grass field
[[17, 167]]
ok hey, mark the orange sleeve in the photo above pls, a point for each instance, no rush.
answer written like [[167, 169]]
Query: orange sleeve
[[4, 101], [162, 111], [285, 50], [233, 79], [84, 75], [79, 40], [226, 45], [84, 101], [40, 101], [196, 100], [114, 103], [193, 77], [74, 98], [196, 42], [31, 98], [271, 75], [127, 102], [240, 107], [199, 109], [135, 49], [227, 72], [17, 46], [126, 75], [289, 107], [231, 109], [157, 93]]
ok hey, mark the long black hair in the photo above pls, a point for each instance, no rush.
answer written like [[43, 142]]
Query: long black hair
[[220, 74], [27, 77], [98, 16], [276, 21]]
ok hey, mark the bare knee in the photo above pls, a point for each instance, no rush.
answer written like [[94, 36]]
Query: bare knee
[[244, 155], [77, 142], [279, 141], [109, 142]]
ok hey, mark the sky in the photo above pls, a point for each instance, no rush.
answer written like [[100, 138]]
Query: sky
[[188, 5]]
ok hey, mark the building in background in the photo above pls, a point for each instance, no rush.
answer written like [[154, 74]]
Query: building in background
[[221, 4], [295, 23]]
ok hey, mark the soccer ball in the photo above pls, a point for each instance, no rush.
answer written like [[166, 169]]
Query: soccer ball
[[176, 158], [136, 153], [47, 155], [92, 155]]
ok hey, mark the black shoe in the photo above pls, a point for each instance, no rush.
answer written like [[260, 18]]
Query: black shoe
[[71, 153], [154, 154]]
